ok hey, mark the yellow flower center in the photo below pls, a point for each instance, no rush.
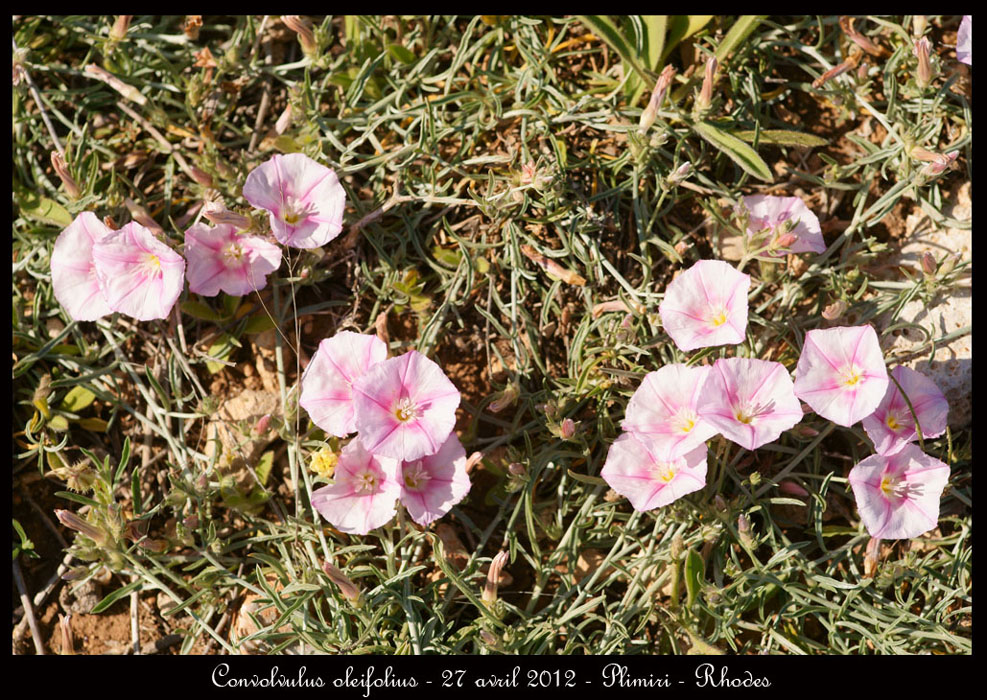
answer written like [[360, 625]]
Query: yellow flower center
[[892, 421], [852, 376], [718, 317], [685, 420], [744, 417], [665, 471], [415, 475], [153, 263]]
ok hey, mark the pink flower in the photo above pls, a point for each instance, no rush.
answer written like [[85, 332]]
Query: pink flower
[[648, 475], [139, 275], [405, 407], [327, 383], [432, 485], [364, 493], [665, 409], [841, 373], [220, 260], [891, 425], [750, 402], [898, 495], [305, 199], [782, 216], [73, 274], [706, 306], [964, 41]]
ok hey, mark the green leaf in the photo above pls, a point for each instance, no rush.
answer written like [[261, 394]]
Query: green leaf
[[116, 595], [97, 425], [738, 151], [124, 458], [449, 258], [264, 465], [740, 30], [77, 399], [401, 53], [258, 323], [59, 423], [681, 27], [782, 137], [694, 570], [608, 32], [42, 209], [196, 309], [587, 479]]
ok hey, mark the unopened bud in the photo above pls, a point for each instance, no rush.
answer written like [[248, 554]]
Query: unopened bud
[[792, 489], [489, 638], [719, 503], [349, 589], [678, 546], [218, 214], [284, 121], [744, 530], [834, 310], [567, 428], [925, 75], [507, 397], [940, 164], [262, 424], [65, 628], [785, 241], [192, 25], [203, 178], [128, 91], [680, 175], [61, 169], [305, 35], [473, 460], [919, 25], [872, 557], [846, 24], [140, 215], [657, 97], [493, 577], [929, 264], [516, 469], [805, 430], [191, 522], [41, 394], [705, 98], [74, 522], [119, 29]]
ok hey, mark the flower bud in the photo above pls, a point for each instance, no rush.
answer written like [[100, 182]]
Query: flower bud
[[834, 310], [61, 169], [925, 74], [473, 460], [284, 121], [846, 24], [489, 638], [305, 35], [680, 175], [349, 589], [705, 98], [792, 489], [119, 29], [929, 264], [507, 397], [567, 429], [784, 241], [74, 522], [218, 214], [657, 97], [919, 25], [744, 531], [493, 576], [262, 424], [200, 176], [65, 629], [939, 164], [516, 469]]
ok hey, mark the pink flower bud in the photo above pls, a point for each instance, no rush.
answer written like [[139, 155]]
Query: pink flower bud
[[262, 424], [657, 97], [925, 75], [493, 577], [119, 29], [784, 241], [61, 169], [567, 429], [516, 469], [939, 164], [203, 178], [349, 589], [929, 264], [473, 460], [705, 98], [305, 35], [218, 214], [284, 121], [74, 522], [680, 175], [65, 629], [846, 24], [792, 489], [507, 397]]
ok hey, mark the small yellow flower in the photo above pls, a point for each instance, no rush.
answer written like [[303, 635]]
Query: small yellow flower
[[324, 462]]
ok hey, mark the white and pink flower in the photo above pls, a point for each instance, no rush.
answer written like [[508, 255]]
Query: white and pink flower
[[138, 275], [364, 492], [327, 383], [221, 260], [304, 199], [706, 306], [665, 408], [891, 425], [432, 485], [964, 41], [750, 402], [841, 373], [405, 407], [898, 495], [648, 475], [784, 218], [73, 272]]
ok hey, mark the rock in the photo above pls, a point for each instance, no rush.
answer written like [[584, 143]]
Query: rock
[[80, 599], [233, 427], [950, 310]]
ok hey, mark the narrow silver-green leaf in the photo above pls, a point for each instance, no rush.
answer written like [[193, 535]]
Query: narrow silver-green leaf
[[606, 30], [738, 151], [782, 137]]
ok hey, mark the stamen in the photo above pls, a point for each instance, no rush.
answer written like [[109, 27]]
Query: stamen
[[664, 471], [406, 410], [365, 482], [415, 476], [892, 421], [852, 376]]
